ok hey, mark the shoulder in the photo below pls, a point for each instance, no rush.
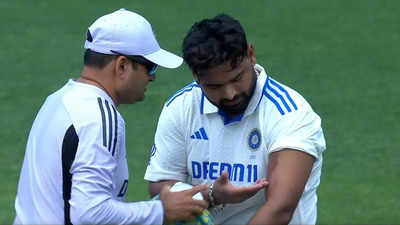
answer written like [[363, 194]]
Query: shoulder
[[281, 100], [97, 122], [87, 108], [186, 97], [283, 109], [289, 120], [181, 107]]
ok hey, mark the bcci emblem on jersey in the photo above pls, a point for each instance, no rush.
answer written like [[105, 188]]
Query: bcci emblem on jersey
[[254, 139]]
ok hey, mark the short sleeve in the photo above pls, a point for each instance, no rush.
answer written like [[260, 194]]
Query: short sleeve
[[169, 146], [300, 130]]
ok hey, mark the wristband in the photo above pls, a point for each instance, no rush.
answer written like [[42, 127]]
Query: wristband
[[211, 196]]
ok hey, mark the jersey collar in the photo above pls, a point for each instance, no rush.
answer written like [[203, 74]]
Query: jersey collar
[[206, 107], [94, 88]]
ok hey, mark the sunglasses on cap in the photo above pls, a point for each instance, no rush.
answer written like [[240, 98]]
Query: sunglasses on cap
[[150, 66]]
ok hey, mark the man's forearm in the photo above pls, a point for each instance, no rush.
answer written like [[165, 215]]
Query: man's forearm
[[112, 211], [271, 215], [155, 187]]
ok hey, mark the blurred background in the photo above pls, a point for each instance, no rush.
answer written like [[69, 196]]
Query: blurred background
[[341, 55]]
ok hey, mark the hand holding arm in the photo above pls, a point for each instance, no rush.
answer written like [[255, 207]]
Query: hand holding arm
[[181, 205]]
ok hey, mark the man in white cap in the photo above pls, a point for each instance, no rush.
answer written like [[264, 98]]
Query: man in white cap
[[75, 169]]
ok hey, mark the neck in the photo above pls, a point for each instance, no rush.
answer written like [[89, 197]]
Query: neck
[[87, 77]]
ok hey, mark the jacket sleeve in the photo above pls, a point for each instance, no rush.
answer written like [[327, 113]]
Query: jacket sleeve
[[92, 189]]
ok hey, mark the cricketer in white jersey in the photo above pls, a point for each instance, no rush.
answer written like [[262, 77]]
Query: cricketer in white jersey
[[235, 122], [195, 142]]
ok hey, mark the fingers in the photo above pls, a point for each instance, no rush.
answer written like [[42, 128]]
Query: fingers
[[197, 207], [193, 191], [197, 189], [201, 203], [198, 203], [181, 206], [251, 188], [243, 193], [197, 192], [197, 211], [263, 182]]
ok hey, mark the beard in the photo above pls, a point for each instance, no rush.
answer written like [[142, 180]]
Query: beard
[[242, 101]]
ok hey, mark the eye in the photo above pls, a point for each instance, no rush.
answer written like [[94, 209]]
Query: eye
[[213, 87], [238, 78]]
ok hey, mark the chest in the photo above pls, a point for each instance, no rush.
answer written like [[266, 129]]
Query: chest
[[238, 147]]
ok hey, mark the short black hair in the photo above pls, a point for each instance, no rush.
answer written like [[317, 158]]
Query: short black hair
[[212, 42], [96, 59]]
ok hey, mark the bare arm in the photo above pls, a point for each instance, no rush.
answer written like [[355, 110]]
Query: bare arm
[[288, 171], [224, 191], [156, 187]]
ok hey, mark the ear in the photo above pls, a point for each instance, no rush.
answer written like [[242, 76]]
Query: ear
[[251, 53], [122, 66]]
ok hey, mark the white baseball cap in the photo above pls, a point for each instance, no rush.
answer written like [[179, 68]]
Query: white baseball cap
[[128, 33]]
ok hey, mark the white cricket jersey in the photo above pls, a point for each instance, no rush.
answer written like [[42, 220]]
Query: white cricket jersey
[[195, 142], [75, 169]]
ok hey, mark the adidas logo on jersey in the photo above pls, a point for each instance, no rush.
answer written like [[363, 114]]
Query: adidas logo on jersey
[[200, 134]]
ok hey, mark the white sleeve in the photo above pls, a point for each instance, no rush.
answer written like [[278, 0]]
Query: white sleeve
[[168, 158], [300, 130], [91, 200]]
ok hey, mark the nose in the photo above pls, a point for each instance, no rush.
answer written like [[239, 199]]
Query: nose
[[152, 77], [229, 92]]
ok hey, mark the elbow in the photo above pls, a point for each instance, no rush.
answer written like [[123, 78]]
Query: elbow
[[270, 217], [80, 215], [155, 188], [86, 215], [284, 214], [273, 215], [151, 189]]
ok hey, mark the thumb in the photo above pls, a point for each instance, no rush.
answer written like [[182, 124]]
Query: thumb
[[165, 188], [164, 193], [223, 179]]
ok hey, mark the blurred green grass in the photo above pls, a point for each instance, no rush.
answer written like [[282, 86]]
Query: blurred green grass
[[341, 55]]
